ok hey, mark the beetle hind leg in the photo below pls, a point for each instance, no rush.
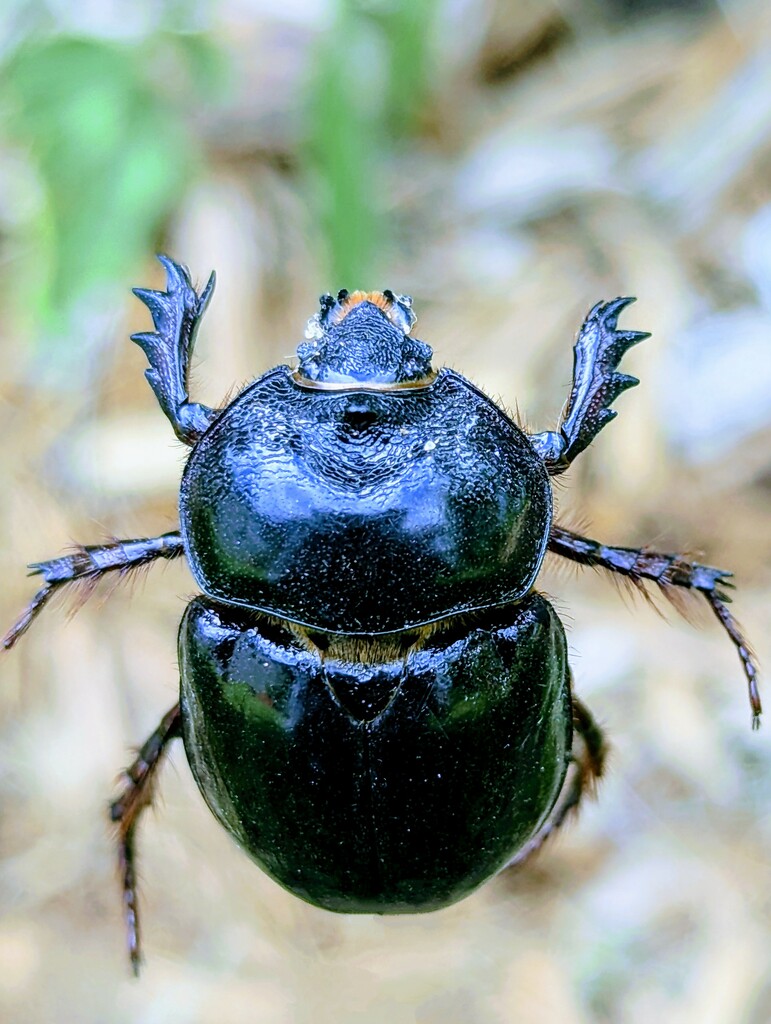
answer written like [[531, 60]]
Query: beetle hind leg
[[587, 769], [126, 811]]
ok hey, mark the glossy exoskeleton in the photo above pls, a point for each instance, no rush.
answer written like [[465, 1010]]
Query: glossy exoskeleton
[[375, 702]]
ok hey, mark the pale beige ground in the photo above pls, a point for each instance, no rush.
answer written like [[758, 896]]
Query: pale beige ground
[[629, 160]]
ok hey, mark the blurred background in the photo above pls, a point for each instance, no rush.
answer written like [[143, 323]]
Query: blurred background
[[508, 163]]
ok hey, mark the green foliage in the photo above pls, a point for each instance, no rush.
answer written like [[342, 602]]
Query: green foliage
[[407, 29], [104, 129], [344, 150], [113, 157], [366, 91]]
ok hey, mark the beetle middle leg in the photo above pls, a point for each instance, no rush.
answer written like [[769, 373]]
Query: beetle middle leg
[[126, 810], [668, 571], [88, 564], [588, 767]]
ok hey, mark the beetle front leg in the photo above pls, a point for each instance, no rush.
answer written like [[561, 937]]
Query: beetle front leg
[[596, 384], [88, 564], [176, 314], [667, 571], [588, 766], [126, 810]]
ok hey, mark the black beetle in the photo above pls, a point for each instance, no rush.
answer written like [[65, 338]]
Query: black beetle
[[375, 702]]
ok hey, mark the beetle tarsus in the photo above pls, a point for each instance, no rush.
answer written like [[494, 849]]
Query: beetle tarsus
[[87, 564], [588, 768], [126, 810], [667, 571], [596, 385], [27, 617], [743, 649], [176, 314]]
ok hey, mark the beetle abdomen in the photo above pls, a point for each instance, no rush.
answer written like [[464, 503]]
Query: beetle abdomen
[[400, 802], [360, 511]]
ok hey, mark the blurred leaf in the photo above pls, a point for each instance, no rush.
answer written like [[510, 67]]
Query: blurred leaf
[[113, 156], [407, 27], [207, 68], [344, 147], [365, 94]]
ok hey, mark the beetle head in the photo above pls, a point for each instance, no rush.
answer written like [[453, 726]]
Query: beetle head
[[362, 340]]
